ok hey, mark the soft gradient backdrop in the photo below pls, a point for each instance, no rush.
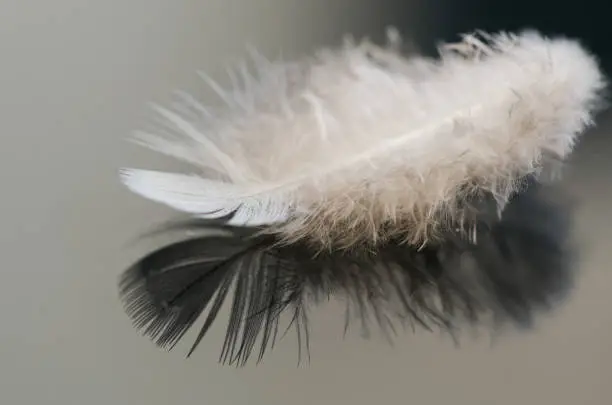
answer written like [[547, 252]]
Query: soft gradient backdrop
[[75, 77]]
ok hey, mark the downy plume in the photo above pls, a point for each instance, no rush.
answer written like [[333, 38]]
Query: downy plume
[[359, 144]]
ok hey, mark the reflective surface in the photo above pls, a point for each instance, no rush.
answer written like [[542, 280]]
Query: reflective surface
[[75, 78]]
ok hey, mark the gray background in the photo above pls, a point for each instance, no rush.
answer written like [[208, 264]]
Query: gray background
[[75, 77]]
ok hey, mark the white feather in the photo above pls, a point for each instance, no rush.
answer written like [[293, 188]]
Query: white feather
[[206, 198], [337, 146]]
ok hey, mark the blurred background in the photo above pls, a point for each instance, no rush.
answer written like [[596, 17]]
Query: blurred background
[[75, 80]]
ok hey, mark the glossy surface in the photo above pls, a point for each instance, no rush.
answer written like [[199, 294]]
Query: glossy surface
[[75, 78]]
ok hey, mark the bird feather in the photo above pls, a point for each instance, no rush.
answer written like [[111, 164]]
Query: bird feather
[[361, 144]]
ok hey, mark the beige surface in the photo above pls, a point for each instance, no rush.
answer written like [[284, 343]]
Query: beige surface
[[74, 78]]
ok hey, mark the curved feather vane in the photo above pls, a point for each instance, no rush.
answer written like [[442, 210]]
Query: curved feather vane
[[206, 198], [521, 265], [363, 145]]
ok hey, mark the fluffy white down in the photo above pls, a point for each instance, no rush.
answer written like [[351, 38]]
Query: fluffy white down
[[360, 143]]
